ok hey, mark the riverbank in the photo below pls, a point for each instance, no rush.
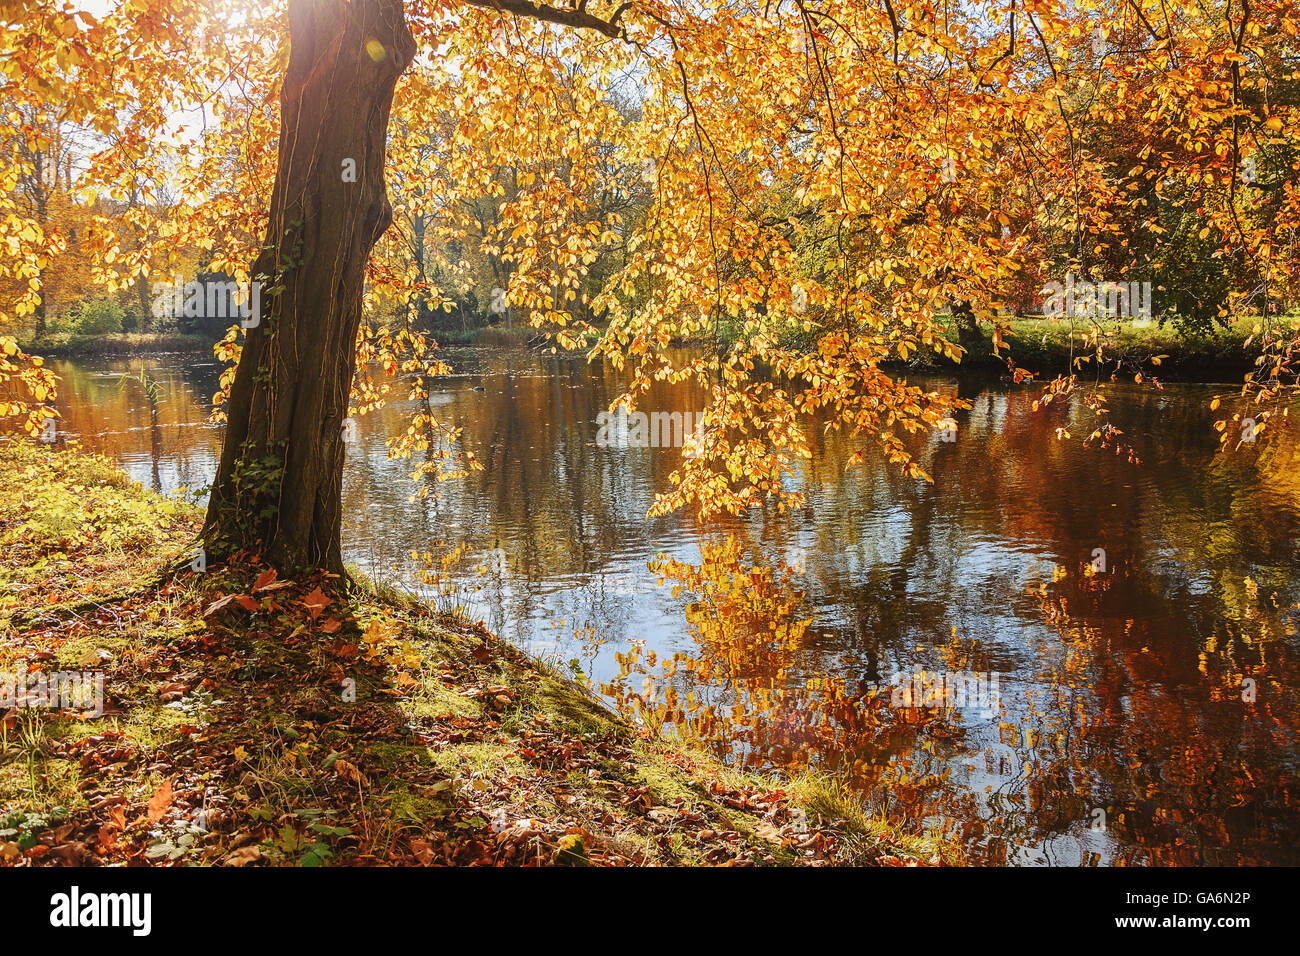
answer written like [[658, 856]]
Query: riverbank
[[1049, 346], [494, 336], [251, 720], [1045, 346], [128, 344], [67, 345]]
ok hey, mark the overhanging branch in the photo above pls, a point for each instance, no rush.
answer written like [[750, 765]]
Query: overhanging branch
[[577, 17]]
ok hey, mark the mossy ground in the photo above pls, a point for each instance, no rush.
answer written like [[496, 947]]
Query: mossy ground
[[253, 720]]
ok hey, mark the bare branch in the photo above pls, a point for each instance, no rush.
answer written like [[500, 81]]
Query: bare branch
[[577, 18]]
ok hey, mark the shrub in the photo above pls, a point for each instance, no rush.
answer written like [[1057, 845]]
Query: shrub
[[99, 317]]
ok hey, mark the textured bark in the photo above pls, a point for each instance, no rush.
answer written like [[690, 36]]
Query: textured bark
[[142, 298], [969, 336], [277, 489]]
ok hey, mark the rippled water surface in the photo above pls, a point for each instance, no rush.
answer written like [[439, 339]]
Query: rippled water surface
[[1122, 735]]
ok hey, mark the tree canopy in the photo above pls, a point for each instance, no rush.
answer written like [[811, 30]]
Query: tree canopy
[[814, 190]]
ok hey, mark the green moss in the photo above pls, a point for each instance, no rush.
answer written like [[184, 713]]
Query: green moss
[[471, 759], [394, 755], [407, 807], [436, 699], [151, 724], [666, 782], [865, 837], [566, 703]]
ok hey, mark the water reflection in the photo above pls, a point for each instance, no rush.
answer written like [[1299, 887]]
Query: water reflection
[[1123, 736]]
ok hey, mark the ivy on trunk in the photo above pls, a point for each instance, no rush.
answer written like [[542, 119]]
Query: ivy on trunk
[[278, 487]]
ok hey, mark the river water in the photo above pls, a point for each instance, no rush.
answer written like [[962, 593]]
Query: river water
[[1140, 621]]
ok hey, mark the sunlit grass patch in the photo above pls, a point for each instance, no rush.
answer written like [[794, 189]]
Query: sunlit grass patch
[[75, 530], [866, 839]]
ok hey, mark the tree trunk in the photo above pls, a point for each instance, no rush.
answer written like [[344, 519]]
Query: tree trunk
[[141, 280], [43, 193], [425, 318], [968, 330], [142, 298], [277, 489]]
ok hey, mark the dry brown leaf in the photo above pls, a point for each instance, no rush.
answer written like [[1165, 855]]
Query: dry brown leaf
[[316, 602], [349, 771], [173, 691], [218, 604], [160, 801], [243, 856], [423, 851]]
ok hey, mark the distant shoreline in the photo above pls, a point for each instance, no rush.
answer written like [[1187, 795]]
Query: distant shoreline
[[1038, 346], [122, 344]]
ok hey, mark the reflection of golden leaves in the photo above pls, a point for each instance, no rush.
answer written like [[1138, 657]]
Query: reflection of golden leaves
[[738, 690]]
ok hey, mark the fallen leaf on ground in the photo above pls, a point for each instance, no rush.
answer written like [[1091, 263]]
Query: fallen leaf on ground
[[316, 602], [218, 604], [349, 771], [243, 856], [161, 800], [423, 851]]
